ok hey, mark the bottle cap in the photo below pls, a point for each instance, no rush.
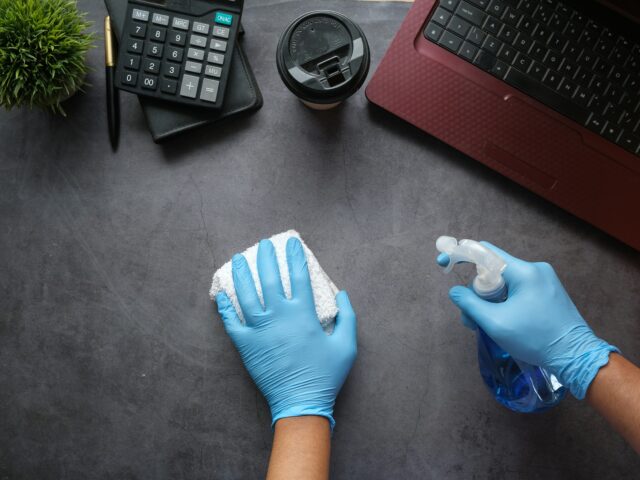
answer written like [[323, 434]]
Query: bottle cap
[[323, 58], [489, 265]]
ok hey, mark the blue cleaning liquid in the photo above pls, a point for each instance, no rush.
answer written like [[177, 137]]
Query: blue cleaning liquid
[[516, 385]]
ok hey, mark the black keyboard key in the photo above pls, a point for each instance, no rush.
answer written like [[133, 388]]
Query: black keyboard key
[[619, 76], [522, 62], [485, 61], [538, 51], [492, 26], [611, 132], [619, 56], [441, 16], [175, 54], [483, 4], [527, 26], [528, 6], [564, 10], [613, 112], [450, 41], [552, 80], [557, 22], [468, 51], [459, 26], [507, 54], [538, 71], [572, 31], [599, 85], [449, 4], [629, 142], [158, 34], [543, 14], [587, 59], [542, 34], [582, 98], [557, 42], [154, 50], [596, 124], [130, 78], [497, 8], [150, 82], [553, 60], [523, 43], [171, 70], [548, 97], [568, 88], [476, 36], [492, 45], [569, 69], [169, 86], [512, 18], [433, 32], [603, 68], [508, 34], [471, 14], [499, 69]]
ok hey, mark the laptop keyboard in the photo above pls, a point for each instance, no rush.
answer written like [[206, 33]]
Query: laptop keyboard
[[553, 53]]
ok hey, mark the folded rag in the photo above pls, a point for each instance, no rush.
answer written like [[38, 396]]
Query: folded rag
[[324, 290]]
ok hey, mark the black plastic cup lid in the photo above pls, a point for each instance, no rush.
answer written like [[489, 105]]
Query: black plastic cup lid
[[323, 57]]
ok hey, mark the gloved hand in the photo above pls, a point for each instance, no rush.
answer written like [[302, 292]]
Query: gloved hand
[[295, 364], [538, 323]]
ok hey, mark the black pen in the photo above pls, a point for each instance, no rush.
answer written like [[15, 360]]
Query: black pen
[[113, 100]]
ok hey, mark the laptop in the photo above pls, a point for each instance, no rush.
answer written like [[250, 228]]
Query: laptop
[[546, 92]]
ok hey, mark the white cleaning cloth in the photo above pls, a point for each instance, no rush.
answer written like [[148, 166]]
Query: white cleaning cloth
[[324, 290]]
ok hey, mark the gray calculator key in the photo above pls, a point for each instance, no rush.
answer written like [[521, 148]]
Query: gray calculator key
[[141, 15], [180, 23], [213, 71], [209, 92], [220, 32], [198, 41], [195, 54], [219, 45], [193, 67], [189, 86], [160, 19], [200, 27], [216, 58], [130, 78]]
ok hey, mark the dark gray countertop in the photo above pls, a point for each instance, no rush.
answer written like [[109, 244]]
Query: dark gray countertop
[[113, 364]]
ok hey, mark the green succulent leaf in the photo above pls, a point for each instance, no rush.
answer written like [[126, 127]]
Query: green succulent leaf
[[43, 47]]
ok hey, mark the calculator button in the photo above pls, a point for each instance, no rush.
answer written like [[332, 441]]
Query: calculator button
[[193, 67], [209, 91], [169, 86], [198, 41], [154, 50], [138, 30], [151, 65], [200, 27], [140, 15], [195, 54], [135, 46], [130, 78], [132, 62], [160, 19], [171, 70], [224, 18], [175, 54], [149, 82], [216, 58], [220, 32], [177, 38], [158, 34], [180, 23], [219, 45], [213, 71], [189, 86]]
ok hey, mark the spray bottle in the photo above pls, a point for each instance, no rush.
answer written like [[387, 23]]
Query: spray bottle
[[515, 384]]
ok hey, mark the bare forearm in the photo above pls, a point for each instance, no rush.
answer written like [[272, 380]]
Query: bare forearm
[[615, 394], [301, 449]]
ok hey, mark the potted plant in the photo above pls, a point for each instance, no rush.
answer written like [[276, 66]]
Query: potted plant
[[43, 46]]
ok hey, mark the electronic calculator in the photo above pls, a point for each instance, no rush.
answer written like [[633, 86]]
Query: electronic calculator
[[178, 50]]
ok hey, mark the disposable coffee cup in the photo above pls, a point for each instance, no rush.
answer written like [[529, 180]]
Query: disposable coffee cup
[[323, 58]]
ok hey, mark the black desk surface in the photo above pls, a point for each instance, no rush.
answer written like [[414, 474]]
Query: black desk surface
[[113, 364]]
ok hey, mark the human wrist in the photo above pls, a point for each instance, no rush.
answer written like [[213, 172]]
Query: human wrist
[[590, 354], [302, 411]]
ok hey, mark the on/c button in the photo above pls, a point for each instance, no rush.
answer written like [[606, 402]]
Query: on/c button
[[224, 18]]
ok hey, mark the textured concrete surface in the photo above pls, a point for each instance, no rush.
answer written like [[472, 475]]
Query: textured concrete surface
[[113, 364]]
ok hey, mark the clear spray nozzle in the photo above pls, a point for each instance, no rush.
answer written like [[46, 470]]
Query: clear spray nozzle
[[489, 264]]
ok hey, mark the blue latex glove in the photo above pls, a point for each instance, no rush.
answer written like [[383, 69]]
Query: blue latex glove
[[295, 364], [538, 323]]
